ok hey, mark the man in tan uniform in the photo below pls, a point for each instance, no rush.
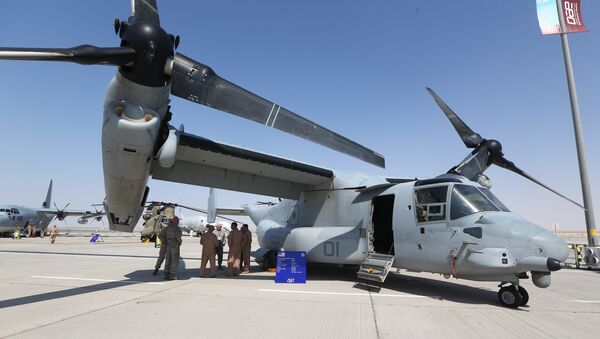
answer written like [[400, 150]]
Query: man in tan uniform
[[209, 244], [30, 230], [53, 234], [234, 239], [246, 247]]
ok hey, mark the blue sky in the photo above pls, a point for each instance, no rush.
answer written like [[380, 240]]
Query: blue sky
[[357, 67]]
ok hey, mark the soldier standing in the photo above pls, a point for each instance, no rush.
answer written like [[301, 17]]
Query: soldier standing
[[222, 239], [173, 240], [209, 244], [234, 239], [246, 247], [162, 237]]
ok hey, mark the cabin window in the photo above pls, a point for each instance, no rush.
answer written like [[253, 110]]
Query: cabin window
[[430, 203], [468, 200]]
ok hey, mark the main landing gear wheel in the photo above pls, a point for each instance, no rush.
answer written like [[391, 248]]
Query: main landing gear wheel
[[524, 295], [510, 297]]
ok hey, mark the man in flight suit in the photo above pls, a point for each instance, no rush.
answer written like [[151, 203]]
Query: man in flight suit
[[173, 235], [162, 237], [246, 246], [234, 239], [53, 234], [222, 238], [209, 248]]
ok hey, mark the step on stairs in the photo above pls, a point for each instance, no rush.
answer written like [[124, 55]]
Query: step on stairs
[[376, 267]]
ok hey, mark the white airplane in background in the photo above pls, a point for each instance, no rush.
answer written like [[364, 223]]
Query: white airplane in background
[[197, 223], [13, 217]]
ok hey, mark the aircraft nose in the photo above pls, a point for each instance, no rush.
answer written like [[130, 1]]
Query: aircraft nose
[[552, 247]]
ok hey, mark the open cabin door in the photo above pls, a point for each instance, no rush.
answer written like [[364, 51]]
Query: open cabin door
[[380, 234]]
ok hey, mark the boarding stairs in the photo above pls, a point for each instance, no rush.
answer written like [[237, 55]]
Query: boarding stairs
[[375, 267]]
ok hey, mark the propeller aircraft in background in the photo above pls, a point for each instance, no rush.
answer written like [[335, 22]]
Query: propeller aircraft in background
[[451, 224], [13, 218]]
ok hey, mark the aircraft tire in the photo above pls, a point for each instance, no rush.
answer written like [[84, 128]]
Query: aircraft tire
[[510, 297], [524, 295]]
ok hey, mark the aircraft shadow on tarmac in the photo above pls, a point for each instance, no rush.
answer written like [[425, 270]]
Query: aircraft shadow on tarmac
[[431, 288]]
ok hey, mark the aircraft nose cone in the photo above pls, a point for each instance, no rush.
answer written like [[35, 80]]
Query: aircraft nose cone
[[552, 247]]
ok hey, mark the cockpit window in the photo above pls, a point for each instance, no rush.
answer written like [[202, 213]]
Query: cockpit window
[[493, 198], [430, 203], [468, 200]]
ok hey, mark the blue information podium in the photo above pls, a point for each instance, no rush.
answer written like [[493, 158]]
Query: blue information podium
[[96, 237], [291, 267]]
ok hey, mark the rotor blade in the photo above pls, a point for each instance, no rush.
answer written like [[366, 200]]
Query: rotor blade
[[145, 10], [198, 83], [509, 165], [470, 138], [83, 54], [193, 209]]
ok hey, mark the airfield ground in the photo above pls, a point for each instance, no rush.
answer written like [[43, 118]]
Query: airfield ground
[[75, 289]]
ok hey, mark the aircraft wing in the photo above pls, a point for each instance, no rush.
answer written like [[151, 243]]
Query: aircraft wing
[[203, 162], [69, 213]]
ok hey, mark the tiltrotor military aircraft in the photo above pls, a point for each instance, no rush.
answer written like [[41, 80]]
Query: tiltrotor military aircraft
[[451, 224], [13, 217]]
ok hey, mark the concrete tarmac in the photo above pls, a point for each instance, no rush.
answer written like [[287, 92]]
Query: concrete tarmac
[[76, 289]]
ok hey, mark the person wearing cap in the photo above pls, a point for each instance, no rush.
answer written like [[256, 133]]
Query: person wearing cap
[[209, 243], [246, 247], [173, 240], [234, 239], [221, 234]]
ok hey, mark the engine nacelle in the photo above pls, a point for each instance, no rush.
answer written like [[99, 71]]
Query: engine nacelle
[[82, 220], [129, 135]]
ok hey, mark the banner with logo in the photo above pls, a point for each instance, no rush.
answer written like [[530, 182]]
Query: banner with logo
[[547, 13]]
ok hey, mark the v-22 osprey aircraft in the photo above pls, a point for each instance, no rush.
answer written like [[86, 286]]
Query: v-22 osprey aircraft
[[451, 224]]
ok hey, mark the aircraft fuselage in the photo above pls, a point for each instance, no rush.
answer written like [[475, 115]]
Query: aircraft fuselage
[[445, 226]]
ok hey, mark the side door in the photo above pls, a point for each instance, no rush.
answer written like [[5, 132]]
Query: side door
[[434, 235]]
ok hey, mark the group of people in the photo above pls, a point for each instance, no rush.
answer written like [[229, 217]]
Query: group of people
[[240, 244], [213, 241], [32, 232]]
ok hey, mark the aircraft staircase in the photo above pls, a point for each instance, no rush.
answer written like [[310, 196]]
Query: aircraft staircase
[[375, 267]]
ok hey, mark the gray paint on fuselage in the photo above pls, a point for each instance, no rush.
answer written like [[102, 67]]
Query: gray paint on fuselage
[[10, 222], [331, 226]]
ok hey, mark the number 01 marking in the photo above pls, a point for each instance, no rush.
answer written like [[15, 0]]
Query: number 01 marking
[[331, 248]]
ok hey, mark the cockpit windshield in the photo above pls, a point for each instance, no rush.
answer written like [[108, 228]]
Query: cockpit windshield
[[493, 198], [470, 199]]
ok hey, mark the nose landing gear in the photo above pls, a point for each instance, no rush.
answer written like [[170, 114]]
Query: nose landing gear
[[513, 295]]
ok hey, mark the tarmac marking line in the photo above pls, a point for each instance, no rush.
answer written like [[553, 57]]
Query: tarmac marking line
[[344, 293], [99, 280], [585, 301]]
